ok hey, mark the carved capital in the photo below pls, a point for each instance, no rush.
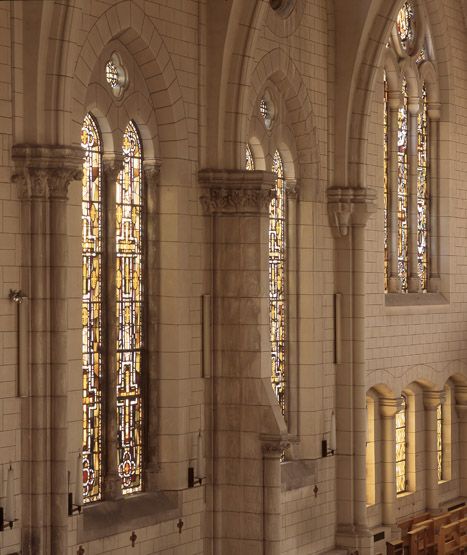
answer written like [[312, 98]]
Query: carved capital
[[461, 394], [236, 191], [431, 399], [44, 171], [350, 207], [273, 449], [434, 111], [388, 407], [152, 174]]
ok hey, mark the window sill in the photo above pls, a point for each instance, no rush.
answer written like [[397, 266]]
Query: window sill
[[107, 518], [414, 299], [404, 494]]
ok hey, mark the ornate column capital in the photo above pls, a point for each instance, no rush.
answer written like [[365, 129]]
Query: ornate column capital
[[45, 171], [152, 172], [388, 407], [431, 399], [349, 207], [236, 191], [273, 446], [111, 168]]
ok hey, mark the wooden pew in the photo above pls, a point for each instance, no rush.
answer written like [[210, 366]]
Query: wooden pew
[[408, 524], [421, 541], [395, 547], [450, 539]]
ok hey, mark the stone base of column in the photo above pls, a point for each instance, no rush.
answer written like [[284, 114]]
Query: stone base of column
[[394, 284], [355, 539], [413, 284], [434, 284]]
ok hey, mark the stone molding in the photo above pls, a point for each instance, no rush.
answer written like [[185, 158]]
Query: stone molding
[[46, 171], [349, 207], [431, 399], [236, 191], [273, 446], [388, 407]]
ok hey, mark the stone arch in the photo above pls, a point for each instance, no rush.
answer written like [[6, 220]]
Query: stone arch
[[360, 108], [278, 68], [138, 35]]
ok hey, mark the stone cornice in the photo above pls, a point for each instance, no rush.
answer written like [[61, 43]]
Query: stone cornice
[[349, 207], [44, 171], [236, 191]]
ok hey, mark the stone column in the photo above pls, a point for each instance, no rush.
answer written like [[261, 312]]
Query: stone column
[[151, 467], [413, 277], [434, 279], [112, 166], [245, 407], [461, 409], [394, 282], [272, 524], [431, 400], [44, 174], [349, 210], [388, 409]]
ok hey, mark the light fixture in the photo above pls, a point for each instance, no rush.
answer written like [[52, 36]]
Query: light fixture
[[331, 448], [8, 513], [198, 479], [74, 506]]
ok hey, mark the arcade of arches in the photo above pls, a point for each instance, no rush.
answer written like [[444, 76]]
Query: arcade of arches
[[233, 265]]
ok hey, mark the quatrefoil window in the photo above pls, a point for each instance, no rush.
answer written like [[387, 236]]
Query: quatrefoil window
[[116, 75]]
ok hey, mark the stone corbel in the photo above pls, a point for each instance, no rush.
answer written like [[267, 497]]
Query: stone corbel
[[236, 191], [348, 207]]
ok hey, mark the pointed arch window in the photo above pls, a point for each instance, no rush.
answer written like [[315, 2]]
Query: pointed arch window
[[129, 226], [277, 285], [249, 160], [410, 252], [92, 309], [130, 312], [401, 447]]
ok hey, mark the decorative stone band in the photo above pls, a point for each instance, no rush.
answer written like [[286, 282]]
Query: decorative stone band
[[349, 207], [236, 191], [46, 171]]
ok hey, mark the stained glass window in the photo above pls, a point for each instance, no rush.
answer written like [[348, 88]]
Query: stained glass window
[[277, 250], [422, 191], [92, 299], [386, 179], [129, 284], [402, 189], [111, 74], [249, 160], [401, 447], [439, 440], [406, 26]]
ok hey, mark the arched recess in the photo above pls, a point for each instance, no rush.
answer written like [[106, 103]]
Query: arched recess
[[127, 22], [372, 47], [277, 68]]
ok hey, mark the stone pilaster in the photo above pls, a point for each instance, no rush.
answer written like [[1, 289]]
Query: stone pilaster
[[461, 409], [349, 210], [43, 174], [388, 408], [244, 405], [152, 180]]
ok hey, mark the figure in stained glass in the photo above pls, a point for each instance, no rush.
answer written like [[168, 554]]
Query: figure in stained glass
[[401, 447], [402, 188], [439, 440], [422, 191]]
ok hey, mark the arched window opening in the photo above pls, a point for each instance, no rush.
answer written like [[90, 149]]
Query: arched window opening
[[386, 179], [92, 308], [401, 447], [402, 190], [439, 440], [277, 285], [129, 312], [249, 160]]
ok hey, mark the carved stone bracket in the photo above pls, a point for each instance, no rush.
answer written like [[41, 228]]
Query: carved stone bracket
[[349, 207], [236, 191], [46, 171]]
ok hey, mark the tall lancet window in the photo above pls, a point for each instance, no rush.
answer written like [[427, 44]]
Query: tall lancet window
[[277, 285], [411, 265], [92, 307], [439, 440], [401, 447], [130, 312], [249, 160]]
